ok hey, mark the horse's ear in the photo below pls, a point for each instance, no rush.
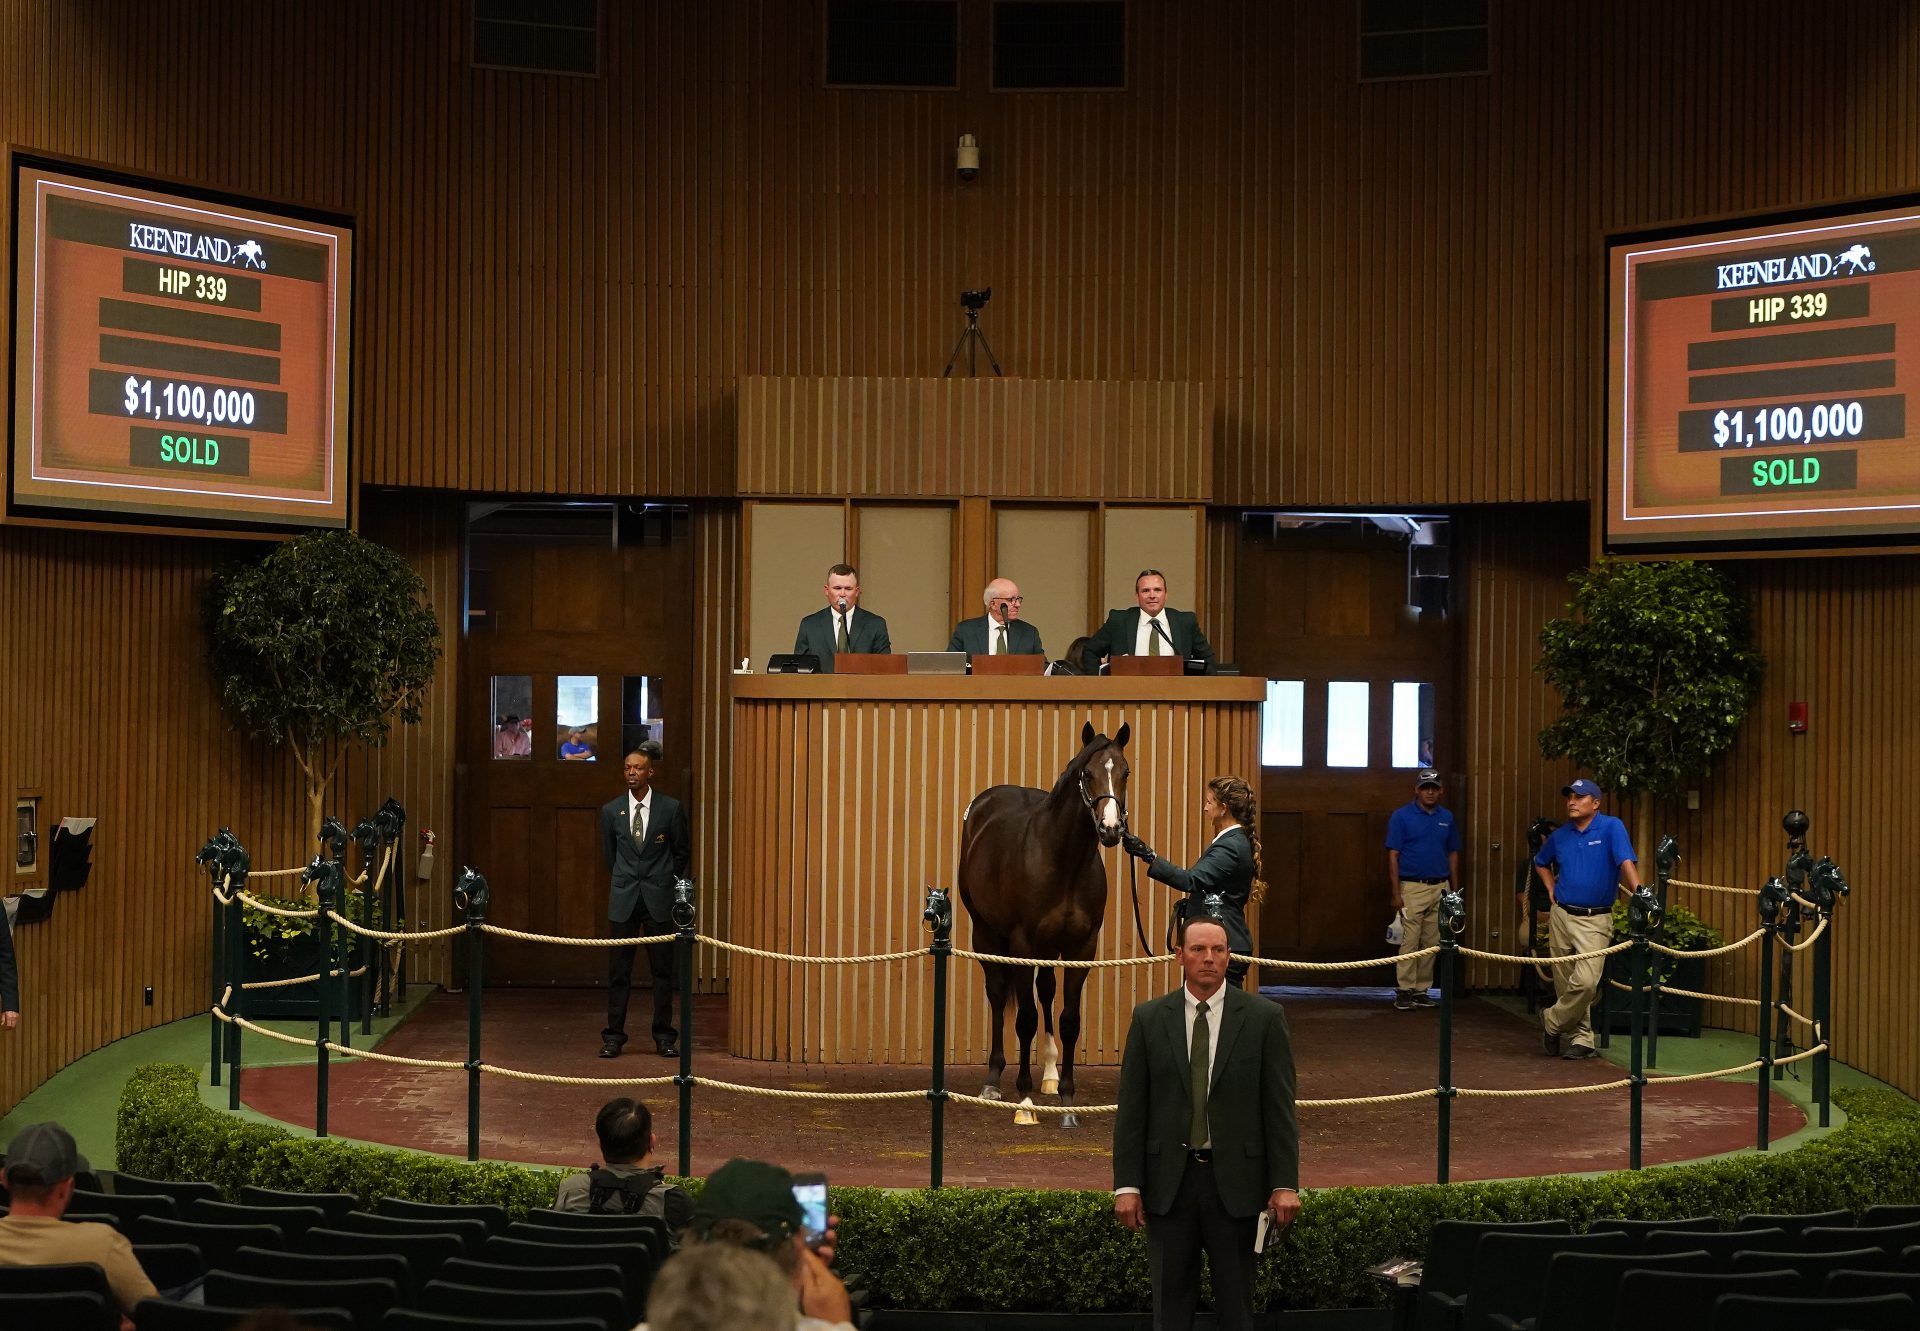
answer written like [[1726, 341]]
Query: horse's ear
[[1126, 733], [1086, 733]]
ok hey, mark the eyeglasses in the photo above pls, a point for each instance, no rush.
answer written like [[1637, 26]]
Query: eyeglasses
[[1012, 600]]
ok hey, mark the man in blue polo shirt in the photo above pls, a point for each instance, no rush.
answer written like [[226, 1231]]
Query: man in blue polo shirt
[[1423, 859], [1588, 859]]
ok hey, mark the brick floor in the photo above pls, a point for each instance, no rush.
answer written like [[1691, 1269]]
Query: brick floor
[[1344, 1045]]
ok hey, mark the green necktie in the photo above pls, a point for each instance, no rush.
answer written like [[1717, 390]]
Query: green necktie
[[639, 822], [1003, 639], [840, 643], [1198, 1067], [1153, 641]]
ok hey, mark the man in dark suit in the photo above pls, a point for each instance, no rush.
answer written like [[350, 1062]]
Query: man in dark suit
[[1001, 631], [9, 977], [1150, 628], [1205, 1137], [842, 626], [644, 838]]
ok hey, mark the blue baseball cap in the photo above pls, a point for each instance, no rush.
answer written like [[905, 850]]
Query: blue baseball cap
[[1581, 787]]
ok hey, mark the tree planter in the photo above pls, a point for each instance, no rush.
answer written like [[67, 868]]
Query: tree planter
[[1678, 1015], [299, 955]]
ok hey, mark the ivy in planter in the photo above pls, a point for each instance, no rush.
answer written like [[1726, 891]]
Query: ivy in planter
[[1681, 930], [276, 939]]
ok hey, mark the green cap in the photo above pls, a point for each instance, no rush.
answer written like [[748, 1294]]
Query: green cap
[[750, 1190]]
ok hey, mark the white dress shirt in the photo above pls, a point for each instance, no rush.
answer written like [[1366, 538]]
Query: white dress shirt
[[1145, 635]]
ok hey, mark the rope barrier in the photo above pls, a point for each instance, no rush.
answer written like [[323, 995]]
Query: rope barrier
[[1694, 993], [1801, 1056], [1709, 951], [525, 937], [1705, 1076], [848, 961], [281, 984], [246, 1025], [1809, 940], [400, 936], [442, 1064], [517, 1075], [1401, 1097], [278, 873], [1567, 960], [1545, 1090], [1808, 1022], [1004, 1105], [779, 1094], [1050, 963], [1712, 887], [1334, 965]]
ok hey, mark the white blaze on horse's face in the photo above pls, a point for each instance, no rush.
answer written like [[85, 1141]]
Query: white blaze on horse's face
[[1109, 808]]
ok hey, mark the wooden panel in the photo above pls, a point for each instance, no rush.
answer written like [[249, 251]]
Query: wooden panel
[[108, 708], [1002, 438], [848, 803], [718, 643], [1044, 550]]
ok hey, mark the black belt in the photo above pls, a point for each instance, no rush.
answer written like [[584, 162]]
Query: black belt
[[1430, 882], [1201, 1156], [1585, 910]]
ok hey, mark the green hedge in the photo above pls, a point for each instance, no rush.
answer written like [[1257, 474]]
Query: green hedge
[[1032, 1249]]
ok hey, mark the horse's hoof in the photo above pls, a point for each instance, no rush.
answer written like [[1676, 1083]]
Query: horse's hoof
[[1069, 1121], [1024, 1117], [1050, 1086], [991, 1093]]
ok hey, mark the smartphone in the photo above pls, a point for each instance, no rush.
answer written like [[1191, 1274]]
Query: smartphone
[[810, 1190]]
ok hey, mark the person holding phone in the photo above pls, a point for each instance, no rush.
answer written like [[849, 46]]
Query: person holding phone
[[754, 1204]]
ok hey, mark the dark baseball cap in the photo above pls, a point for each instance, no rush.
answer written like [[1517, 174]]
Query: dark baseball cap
[[750, 1190], [1428, 777], [1581, 787], [43, 1154]]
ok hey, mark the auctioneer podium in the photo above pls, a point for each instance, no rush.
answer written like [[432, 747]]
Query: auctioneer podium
[[848, 796]]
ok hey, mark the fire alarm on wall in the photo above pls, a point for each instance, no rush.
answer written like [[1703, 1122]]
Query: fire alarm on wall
[[1797, 718]]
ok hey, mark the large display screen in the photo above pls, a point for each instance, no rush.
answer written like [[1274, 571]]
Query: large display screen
[[1758, 382], [178, 358]]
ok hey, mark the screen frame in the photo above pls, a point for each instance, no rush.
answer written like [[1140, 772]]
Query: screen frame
[[18, 159], [1612, 453]]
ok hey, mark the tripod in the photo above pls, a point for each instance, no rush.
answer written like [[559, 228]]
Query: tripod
[[970, 337]]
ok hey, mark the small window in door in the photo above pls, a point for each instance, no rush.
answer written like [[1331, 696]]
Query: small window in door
[[641, 706], [1283, 732], [513, 716], [576, 717], [1347, 703], [1412, 724]]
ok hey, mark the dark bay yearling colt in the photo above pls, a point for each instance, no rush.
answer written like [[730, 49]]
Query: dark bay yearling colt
[[1035, 886]]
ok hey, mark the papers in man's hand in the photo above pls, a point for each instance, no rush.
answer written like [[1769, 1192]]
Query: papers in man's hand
[[1266, 1235]]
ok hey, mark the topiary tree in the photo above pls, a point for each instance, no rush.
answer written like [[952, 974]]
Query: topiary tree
[[1656, 667], [321, 645]]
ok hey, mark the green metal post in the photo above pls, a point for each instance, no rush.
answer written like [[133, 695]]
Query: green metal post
[[1643, 916], [1773, 899], [236, 967], [939, 917], [685, 931], [219, 877], [322, 875], [1453, 920], [1665, 854], [470, 895]]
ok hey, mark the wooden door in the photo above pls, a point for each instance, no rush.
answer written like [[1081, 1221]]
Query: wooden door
[[569, 609], [1324, 608]]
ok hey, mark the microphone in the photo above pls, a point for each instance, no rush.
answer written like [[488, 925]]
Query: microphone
[[1000, 612], [1155, 623], [842, 603]]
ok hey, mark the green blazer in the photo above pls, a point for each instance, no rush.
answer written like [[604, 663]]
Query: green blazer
[[1116, 637], [1256, 1139]]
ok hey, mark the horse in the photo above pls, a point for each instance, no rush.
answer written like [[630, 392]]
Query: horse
[[1034, 885]]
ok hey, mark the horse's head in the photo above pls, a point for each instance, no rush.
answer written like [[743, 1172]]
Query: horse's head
[[1102, 781]]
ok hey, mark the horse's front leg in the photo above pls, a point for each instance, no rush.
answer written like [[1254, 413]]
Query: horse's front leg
[[999, 982]]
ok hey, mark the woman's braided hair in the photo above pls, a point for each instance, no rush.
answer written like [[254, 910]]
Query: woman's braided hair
[[1236, 796]]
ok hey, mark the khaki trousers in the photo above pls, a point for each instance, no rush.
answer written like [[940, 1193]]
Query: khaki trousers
[[1419, 928], [1577, 985]]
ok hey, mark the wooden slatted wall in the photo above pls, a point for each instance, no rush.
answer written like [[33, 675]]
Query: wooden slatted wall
[[1001, 438], [107, 710], [1841, 636], [1392, 291], [720, 642]]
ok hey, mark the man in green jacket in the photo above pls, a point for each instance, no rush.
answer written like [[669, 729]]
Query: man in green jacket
[[1205, 1138]]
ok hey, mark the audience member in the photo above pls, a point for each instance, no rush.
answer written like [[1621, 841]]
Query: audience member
[[750, 1204], [720, 1287], [627, 1183], [41, 1163]]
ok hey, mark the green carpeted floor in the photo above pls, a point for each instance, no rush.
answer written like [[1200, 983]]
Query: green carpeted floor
[[85, 1096]]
